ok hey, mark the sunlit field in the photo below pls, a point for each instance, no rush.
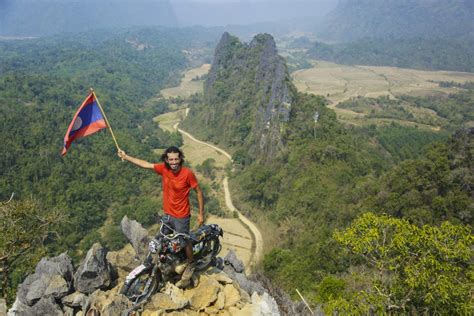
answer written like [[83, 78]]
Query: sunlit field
[[188, 86], [340, 82]]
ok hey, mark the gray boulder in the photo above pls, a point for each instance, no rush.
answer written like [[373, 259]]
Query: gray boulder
[[45, 306], [60, 265], [232, 260], [52, 277], [136, 235], [234, 268], [36, 289], [94, 272], [19, 308]]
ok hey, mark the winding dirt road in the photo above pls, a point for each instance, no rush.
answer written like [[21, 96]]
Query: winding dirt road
[[241, 235], [257, 240]]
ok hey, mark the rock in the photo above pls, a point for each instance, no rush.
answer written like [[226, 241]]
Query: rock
[[232, 295], [47, 285], [205, 293], [68, 311], [211, 310], [266, 305], [248, 285], [244, 296], [75, 299], [60, 265], [45, 306], [219, 276], [124, 258], [94, 272], [58, 270], [234, 310], [232, 260], [164, 302], [248, 309], [36, 289], [58, 287], [171, 298], [18, 308], [220, 302], [109, 303], [136, 235]]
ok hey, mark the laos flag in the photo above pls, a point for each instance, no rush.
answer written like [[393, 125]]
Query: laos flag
[[87, 120]]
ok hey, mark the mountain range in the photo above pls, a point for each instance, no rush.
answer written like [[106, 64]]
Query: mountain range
[[356, 19]]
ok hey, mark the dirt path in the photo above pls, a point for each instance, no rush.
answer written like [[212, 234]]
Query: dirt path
[[257, 239], [257, 236], [240, 234]]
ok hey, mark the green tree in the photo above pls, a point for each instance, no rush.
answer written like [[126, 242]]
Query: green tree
[[417, 269], [24, 227], [207, 168]]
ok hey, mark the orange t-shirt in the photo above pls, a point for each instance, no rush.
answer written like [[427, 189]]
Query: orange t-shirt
[[176, 189]]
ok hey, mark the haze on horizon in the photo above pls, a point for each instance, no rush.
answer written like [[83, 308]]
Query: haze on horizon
[[46, 17]]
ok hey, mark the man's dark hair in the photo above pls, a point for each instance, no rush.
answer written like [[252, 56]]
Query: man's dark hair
[[172, 149]]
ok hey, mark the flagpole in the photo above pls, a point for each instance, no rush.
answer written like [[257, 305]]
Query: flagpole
[[106, 120]]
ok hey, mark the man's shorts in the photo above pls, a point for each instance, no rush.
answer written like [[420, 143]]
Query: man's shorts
[[176, 225]]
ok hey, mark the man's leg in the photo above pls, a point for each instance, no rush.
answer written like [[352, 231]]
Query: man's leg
[[181, 225]]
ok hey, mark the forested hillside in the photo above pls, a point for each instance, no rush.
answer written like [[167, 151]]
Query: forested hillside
[[356, 19], [418, 34], [42, 83], [416, 53], [326, 175]]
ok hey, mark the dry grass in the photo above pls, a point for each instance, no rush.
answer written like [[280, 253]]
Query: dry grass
[[342, 82], [339, 83], [168, 120], [196, 153], [188, 86], [236, 237]]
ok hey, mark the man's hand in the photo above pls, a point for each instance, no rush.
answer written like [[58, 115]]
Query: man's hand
[[121, 154], [200, 219]]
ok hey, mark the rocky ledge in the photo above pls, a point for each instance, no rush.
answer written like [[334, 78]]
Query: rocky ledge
[[57, 288]]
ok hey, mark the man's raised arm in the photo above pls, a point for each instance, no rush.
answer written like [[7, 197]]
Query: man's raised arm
[[136, 161]]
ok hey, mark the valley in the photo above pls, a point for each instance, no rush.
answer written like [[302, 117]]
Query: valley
[[339, 83], [240, 234]]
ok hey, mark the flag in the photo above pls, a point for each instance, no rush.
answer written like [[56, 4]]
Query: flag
[[87, 120]]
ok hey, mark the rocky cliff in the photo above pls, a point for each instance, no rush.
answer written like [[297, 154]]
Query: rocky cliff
[[58, 288], [247, 98]]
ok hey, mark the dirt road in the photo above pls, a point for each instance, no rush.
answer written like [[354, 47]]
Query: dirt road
[[257, 240], [240, 234]]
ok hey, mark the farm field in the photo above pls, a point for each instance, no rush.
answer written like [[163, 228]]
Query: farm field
[[340, 82], [195, 153], [188, 86]]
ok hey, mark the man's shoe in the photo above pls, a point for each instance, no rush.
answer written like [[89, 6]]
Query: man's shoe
[[186, 276]]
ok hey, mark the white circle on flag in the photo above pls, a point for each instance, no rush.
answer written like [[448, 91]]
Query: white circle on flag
[[77, 124]]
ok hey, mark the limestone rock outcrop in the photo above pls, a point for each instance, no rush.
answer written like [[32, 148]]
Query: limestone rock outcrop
[[56, 288], [94, 272]]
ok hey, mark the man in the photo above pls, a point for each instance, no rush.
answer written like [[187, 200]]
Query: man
[[177, 181]]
